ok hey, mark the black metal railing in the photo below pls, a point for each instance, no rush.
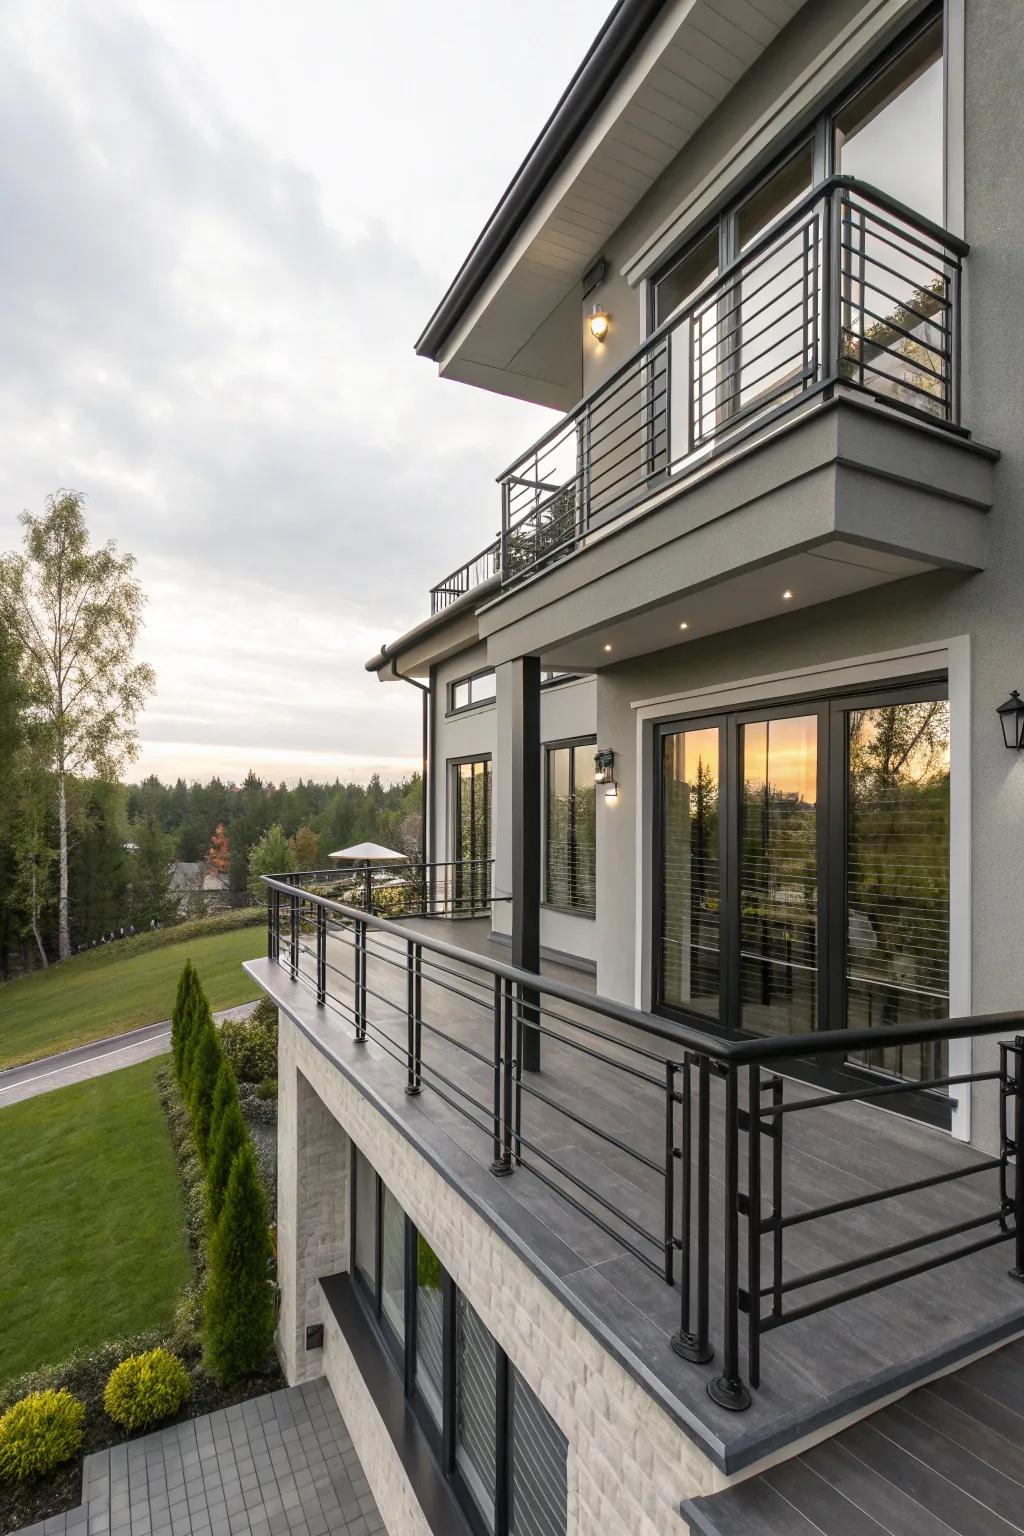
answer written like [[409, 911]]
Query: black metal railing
[[452, 888], [701, 1136], [479, 569], [849, 289]]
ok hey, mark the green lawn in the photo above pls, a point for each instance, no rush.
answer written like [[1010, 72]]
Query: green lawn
[[91, 1222], [105, 992]]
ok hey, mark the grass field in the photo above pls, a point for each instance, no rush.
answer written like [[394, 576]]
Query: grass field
[[92, 1221], [110, 990]]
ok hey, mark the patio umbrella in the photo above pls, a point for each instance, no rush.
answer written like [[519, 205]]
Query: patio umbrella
[[369, 853]]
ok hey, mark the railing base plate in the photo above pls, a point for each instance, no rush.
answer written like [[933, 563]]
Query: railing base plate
[[1016, 1274], [729, 1392], [501, 1169], [689, 1347]]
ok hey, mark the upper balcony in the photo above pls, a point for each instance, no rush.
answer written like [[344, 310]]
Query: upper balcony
[[731, 447]]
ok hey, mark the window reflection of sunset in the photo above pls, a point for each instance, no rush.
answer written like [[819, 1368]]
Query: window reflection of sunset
[[783, 753], [689, 751]]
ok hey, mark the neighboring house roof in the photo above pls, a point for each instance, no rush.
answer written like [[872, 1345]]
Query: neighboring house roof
[[584, 94], [184, 875]]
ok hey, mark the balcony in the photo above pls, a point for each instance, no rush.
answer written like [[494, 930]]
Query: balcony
[[762, 1256], [745, 401]]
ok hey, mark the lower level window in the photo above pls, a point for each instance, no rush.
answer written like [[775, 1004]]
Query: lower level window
[[570, 841], [496, 1443]]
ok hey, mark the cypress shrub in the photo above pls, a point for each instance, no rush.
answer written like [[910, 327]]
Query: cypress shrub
[[205, 1065], [197, 1015], [238, 1320], [181, 1017], [231, 1135], [225, 1092]]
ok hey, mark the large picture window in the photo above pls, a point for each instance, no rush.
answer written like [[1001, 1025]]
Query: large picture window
[[570, 841], [494, 1442], [471, 834], [802, 861]]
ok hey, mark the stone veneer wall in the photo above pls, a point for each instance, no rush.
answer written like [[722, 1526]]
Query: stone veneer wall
[[629, 1463]]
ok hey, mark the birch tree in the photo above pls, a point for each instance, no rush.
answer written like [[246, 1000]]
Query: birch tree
[[76, 612]]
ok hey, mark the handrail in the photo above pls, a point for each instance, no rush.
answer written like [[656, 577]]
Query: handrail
[[449, 583], [738, 1052], [510, 1019], [791, 218]]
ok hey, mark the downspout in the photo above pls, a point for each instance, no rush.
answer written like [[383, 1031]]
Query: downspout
[[424, 800]]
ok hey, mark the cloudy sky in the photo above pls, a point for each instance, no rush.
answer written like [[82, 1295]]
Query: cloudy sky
[[221, 229]]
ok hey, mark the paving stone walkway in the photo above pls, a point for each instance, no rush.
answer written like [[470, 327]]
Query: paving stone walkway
[[278, 1464]]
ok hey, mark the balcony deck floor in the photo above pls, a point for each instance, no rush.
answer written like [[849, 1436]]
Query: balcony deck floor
[[815, 1370]]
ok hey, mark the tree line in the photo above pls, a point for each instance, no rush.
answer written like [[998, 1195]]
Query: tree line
[[83, 854]]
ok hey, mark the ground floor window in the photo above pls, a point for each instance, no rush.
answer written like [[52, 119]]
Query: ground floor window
[[496, 1443], [570, 834], [802, 866]]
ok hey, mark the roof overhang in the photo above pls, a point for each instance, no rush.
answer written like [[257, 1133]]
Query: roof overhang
[[655, 73], [434, 639]]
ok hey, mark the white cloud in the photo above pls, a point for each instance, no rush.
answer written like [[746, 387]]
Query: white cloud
[[217, 243]]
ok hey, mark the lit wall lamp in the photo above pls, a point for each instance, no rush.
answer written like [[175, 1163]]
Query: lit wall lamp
[[604, 772], [600, 320], [1011, 718]]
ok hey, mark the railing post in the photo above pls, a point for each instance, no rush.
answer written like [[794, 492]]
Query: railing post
[[671, 1099], [413, 993], [694, 1343], [271, 893], [754, 1224], [367, 889], [502, 1163], [293, 936], [1017, 1272], [728, 1390], [360, 981], [321, 955]]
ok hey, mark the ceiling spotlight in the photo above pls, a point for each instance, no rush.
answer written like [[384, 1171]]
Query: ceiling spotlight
[[607, 647], [786, 595], [684, 625]]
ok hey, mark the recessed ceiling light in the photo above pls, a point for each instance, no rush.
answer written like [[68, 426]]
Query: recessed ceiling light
[[786, 595], [684, 625], [607, 647]]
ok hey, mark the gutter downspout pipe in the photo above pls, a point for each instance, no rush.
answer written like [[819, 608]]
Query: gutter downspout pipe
[[424, 801]]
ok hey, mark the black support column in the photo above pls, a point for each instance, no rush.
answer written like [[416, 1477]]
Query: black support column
[[526, 811]]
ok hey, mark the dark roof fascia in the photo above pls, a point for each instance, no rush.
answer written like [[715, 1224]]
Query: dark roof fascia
[[604, 61], [436, 621]]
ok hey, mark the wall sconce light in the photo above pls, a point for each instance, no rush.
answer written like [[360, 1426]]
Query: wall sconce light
[[604, 766], [1011, 718], [611, 791], [600, 320]]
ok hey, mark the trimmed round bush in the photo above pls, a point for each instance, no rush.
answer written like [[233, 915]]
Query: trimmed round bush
[[146, 1388], [39, 1432]]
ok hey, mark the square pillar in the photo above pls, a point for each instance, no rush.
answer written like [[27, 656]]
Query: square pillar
[[526, 835]]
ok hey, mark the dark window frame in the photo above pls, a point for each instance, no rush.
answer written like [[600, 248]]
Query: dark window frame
[[441, 1443], [470, 678], [831, 707], [569, 744], [820, 134]]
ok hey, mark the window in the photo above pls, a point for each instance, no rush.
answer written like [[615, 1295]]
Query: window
[[465, 692], [471, 834], [500, 1451], [570, 832], [802, 858]]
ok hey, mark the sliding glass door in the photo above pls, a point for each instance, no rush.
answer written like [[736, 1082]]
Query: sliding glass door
[[802, 868], [471, 835]]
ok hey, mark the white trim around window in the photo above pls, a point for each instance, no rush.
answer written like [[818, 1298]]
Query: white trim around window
[[950, 656]]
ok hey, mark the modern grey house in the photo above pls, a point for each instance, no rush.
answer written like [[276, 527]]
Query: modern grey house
[[648, 1150]]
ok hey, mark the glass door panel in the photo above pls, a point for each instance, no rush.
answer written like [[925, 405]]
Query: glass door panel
[[673, 292], [897, 877], [471, 844], [691, 898], [778, 875]]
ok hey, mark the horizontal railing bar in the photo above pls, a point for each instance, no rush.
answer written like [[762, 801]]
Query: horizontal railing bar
[[893, 378], [881, 1255], [589, 1126], [775, 1320], [919, 225], [523, 1015], [896, 1192], [616, 1237], [922, 1085], [591, 1194]]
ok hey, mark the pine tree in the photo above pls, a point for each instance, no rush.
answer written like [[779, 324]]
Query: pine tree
[[206, 1060], [181, 1017], [231, 1135], [238, 1321], [196, 1017]]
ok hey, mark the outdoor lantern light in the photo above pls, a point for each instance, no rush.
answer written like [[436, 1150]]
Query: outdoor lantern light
[[611, 791], [1011, 717], [600, 320], [604, 766]]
